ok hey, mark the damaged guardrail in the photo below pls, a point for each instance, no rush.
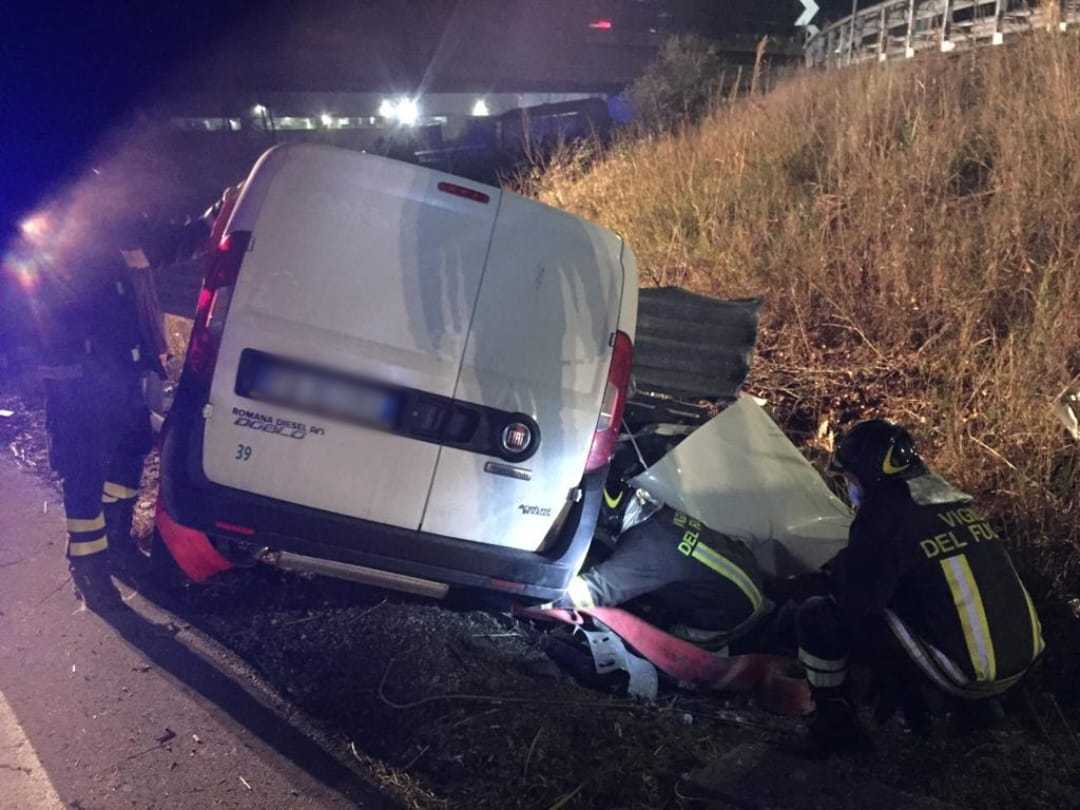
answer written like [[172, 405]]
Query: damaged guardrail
[[898, 29]]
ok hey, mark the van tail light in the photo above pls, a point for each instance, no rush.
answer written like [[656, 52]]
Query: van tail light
[[611, 410], [222, 270]]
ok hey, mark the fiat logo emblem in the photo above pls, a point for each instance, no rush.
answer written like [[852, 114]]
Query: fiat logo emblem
[[516, 437]]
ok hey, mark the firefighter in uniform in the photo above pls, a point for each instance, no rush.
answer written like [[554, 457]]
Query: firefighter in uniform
[[706, 585], [925, 593], [99, 339]]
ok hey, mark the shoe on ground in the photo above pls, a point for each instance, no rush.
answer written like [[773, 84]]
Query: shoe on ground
[[94, 587]]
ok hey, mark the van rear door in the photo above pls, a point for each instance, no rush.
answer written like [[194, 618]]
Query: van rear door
[[365, 268], [540, 345]]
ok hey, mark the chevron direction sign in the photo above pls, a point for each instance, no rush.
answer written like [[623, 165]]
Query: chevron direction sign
[[810, 10]]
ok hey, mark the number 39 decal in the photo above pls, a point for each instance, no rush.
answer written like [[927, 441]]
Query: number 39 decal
[[243, 452]]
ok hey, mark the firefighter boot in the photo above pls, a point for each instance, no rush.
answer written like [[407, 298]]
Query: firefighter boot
[[94, 586], [119, 517], [835, 726]]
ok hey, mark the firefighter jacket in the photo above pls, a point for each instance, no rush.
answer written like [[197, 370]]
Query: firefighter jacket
[[95, 313], [701, 577], [924, 556]]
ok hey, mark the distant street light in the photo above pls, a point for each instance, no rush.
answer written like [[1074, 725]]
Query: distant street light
[[386, 108], [258, 110], [326, 119], [407, 111], [480, 108]]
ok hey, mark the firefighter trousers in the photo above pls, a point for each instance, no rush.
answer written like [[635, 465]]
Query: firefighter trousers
[[99, 435], [906, 669]]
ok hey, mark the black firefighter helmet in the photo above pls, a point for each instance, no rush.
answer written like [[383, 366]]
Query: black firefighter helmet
[[876, 451]]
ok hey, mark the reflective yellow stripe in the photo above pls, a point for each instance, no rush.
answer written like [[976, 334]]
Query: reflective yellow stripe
[[1037, 643], [120, 491], [825, 680], [822, 664], [108, 498], [969, 607], [580, 594], [613, 503], [725, 568], [85, 549], [135, 259], [83, 525]]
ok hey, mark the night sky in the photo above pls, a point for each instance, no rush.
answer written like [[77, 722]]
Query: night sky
[[72, 70]]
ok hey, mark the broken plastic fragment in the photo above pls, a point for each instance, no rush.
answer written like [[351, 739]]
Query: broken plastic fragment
[[740, 475]]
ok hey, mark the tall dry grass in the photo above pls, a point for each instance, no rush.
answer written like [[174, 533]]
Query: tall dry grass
[[915, 230]]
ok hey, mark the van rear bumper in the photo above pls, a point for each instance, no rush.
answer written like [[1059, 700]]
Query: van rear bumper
[[260, 523]]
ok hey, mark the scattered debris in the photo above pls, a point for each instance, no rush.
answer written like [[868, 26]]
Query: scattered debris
[[1067, 408], [416, 759], [529, 756], [195, 738], [166, 737], [6, 414], [245, 783], [565, 800]]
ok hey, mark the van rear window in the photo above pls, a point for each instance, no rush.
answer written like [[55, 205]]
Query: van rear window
[[300, 386]]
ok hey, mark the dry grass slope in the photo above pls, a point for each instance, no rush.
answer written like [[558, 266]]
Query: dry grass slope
[[916, 232]]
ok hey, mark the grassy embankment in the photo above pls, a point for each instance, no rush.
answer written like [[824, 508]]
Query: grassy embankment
[[915, 230]]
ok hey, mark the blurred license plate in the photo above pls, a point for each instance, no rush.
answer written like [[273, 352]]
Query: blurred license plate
[[268, 379]]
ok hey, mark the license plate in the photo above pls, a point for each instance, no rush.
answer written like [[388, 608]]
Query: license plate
[[337, 396]]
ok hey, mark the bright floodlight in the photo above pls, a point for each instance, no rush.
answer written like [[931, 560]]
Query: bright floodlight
[[407, 111], [327, 120], [259, 110], [386, 108], [480, 107], [34, 227]]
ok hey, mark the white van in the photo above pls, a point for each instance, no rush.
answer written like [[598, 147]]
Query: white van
[[399, 377]]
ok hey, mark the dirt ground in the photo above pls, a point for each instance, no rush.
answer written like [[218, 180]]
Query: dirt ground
[[444, 707]]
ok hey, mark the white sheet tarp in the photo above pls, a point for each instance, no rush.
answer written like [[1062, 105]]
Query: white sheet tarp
[[740, 475]]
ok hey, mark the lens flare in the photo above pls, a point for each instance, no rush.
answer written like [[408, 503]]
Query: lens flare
[[35, 227], [407, 111]]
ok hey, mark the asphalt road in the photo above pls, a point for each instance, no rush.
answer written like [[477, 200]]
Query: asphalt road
[[132, 708]]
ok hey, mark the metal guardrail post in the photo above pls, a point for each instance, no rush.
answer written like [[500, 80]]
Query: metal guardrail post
[[883, 30], [851, 35], [999, 14], [946, 28], [909, 45]]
